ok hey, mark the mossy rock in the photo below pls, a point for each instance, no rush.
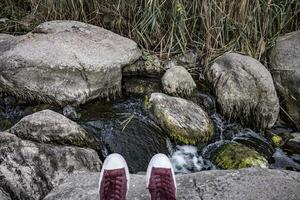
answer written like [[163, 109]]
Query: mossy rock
[[237, 156], [184, 121]]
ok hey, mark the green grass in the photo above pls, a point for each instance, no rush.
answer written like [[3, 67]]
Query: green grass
[[169, 26]]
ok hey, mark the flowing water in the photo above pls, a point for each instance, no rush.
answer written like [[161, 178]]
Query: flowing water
[[124, 127]]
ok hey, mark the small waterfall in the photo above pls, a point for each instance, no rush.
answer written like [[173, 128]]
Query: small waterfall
[[186, 159]]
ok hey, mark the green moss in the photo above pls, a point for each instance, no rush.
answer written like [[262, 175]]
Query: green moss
[[147, 103], [277, 140], [180, 135], [237, 156]]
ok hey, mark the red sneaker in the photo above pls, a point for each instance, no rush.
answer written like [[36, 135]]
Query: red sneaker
[[114, 178], [161, 178]]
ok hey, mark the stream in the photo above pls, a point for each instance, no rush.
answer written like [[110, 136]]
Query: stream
[[124, 127]]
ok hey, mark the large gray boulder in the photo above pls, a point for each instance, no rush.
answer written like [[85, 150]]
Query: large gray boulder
[[183, 120], [246, 184], [66, 62], [30, 170], [244, 89], [285, 68], [177, 81], [50, 127]]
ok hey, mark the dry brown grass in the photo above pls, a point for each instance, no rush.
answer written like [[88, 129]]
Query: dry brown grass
[[167, 27]]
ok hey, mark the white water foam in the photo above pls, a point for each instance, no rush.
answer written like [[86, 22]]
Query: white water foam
[[186, 159]]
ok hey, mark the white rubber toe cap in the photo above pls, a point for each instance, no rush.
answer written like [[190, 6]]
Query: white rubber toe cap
[[114, 161], [159, 161]]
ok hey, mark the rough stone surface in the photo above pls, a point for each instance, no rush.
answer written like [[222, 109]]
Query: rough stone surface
[[177, 81], [4, 196], [181, 119], [244, 89], [66, 62], [285, 68], [30, 170], [237, 156], [50, 127], [246, 184]]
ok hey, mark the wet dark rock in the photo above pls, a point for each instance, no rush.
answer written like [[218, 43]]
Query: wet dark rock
[[136, 140], [123, 127], [50, 127], [12, 110], [259, 184], [285, 68], [30, 170], [141, 86], [206, 101], [230, 130], [281, 160], [70, 112], [255, 141], [293, 144], [5, 124], [244, 90]]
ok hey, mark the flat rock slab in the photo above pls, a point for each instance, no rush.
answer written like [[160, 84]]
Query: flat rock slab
[[66, 62], [259, 184]]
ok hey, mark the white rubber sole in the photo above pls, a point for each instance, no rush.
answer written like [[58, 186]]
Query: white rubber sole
[[160, 161], [114, 161]]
